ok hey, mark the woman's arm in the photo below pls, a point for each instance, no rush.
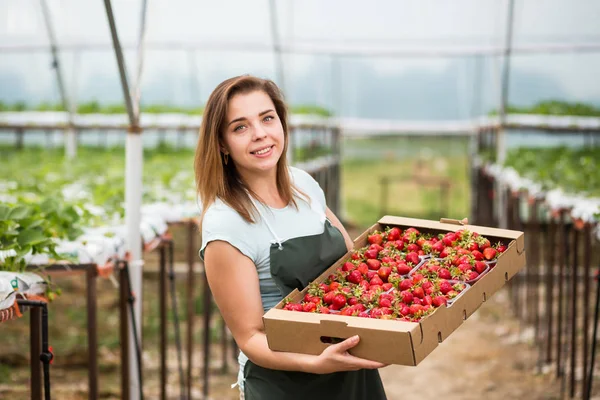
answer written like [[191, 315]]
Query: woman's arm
[[336, 222], [234, 284]]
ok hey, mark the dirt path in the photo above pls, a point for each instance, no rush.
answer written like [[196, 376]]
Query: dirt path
[[486, 358]]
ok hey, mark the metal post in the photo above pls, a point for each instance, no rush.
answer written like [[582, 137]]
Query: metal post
[[561, 277], [124, 335], [574, 294], [162, 283], [176, 319], [91, 273], [207, 301], [587, 252], [551, 252], [191, 283], [277, 46], [35, 337], [590, 380], [70, 138]]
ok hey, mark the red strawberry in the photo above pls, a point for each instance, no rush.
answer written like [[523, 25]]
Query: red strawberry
[[348, 266], [384, 302], [387, 286], [364, 284], [375, 239], [472, 275], [375, 288], [333, 286], [363, 314], [438, 301], [413, 258], [418, 292], [376, 281], [480, 266], [324, 287], [294, 306], [489, 253], [428, 300], [437, 247], [407, 297], [373, 264], [405, 284], [308, 297], [412, 247], [403, 269], [417, 300], [371, 274], [405, 310], [360, 307], [387, 260], [394, 234], [376, 312], [352, 301], [371, 254], [363, 268], [445, 287], [324, 310], [452, 294], [339, 300], [484, 244], [473, 246], [356, 256], [444, 273], [309, 307], [417, 278], [477, 255], [449, 239], [464, 267], [384, 273], [415, 308], [446, 252], [349, 311], [501, 247], [328, 298], [355, 277]]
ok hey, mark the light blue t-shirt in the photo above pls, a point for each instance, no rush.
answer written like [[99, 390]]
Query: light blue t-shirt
[[221, 222]]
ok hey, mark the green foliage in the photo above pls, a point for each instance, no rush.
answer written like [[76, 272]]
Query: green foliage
[[555, 107], [573, 170]]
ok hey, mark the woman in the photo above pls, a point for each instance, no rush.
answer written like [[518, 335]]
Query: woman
[[266, 230]]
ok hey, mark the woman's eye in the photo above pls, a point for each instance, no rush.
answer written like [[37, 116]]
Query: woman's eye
[[237, 128], [269, 118]]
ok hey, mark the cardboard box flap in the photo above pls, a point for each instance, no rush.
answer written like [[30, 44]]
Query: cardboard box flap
[[452, 226]]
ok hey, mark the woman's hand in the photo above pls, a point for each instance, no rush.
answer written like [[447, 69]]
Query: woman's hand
[[336, 358]]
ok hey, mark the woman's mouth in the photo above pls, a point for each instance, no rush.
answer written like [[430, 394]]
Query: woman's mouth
[[265, 151]]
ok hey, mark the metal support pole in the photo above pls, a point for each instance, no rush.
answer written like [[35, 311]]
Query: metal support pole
[[162, 283], [562, 229], [91, 273], [551, 252], [574, 295], [587, 252], [35, 337], [124, 335], [207, 301], [191, 283], [590, 372], [176, 320]]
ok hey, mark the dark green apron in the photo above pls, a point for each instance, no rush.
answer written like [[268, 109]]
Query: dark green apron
[[294, 264]]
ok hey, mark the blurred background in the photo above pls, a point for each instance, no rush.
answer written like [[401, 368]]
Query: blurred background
[[486, 110]]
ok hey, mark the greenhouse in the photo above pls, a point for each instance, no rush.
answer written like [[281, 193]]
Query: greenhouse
[[460, 137]]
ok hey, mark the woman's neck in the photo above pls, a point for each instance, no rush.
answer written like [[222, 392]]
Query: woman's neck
[[265, 187]]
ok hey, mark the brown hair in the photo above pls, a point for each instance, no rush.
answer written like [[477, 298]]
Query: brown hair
[[214, 178]]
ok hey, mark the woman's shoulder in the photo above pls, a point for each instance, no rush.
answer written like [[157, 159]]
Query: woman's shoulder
[[301, 178], [220, 215]]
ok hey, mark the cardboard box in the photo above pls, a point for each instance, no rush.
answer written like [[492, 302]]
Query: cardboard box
[[392, 341]]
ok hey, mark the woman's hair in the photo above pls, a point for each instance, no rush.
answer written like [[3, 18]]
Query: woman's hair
[[214, 178]]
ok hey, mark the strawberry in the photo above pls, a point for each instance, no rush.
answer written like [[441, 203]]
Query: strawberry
[[373, 264], [452, 294], [375, 239], [437, 247], [371, 254], [418, 301], [500, 247], [403, 269], [324, 287], [376, 312], [376, 281], [375, 288], [445, 287], [472, 275], [464, 267], [333, 286], [416, 278], [477, 255], [415, 308], [446, 252], [339, 300], [309, 307], [387, 260], [405, 284], [450, 239], [364, 284], [371, 274], [348, 266], [387, 286], [407, 297], [356, 256], [480, 266], [394, 234], [418, 292], [444, 273], [438, 301], [384, 273], [324, 310], [427, 300], [355, 277], [489, 253], [307, 297], [363, 314], [363, 268], [294, 307], [405, 310], [348, 311], [413, 258], [352, 301], [328, 298], [473, 246], [360, 307], [412, 247], [384, 302]]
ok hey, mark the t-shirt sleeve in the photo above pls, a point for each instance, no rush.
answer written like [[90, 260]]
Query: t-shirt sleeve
[[309, 185], [228, 226]]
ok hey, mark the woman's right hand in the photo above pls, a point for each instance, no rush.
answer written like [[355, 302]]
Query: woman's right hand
[[335, 358]]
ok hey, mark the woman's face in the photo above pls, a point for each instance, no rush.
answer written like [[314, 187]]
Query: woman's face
[[253, 134]]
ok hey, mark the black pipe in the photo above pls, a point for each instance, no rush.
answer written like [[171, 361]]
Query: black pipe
[[182, 390], [588, 392], [138, 351], [46, 356]]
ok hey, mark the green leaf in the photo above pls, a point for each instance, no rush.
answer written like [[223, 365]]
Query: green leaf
[[49, 206], [23, 251], [4, 211], [31, 237], [19, 212]]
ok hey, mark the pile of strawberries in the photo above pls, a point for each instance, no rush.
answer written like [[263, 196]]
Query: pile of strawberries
[[402, 275]]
